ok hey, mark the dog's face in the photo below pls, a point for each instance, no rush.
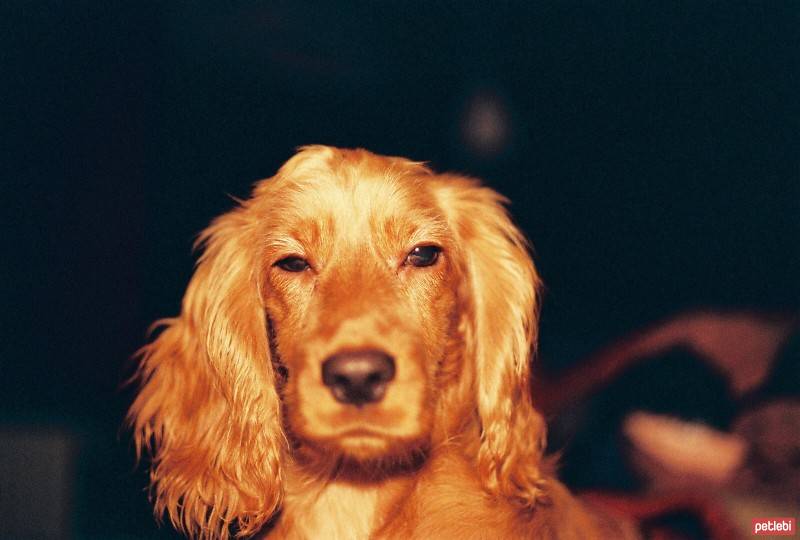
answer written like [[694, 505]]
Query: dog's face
[[365, 307], [359, 287]]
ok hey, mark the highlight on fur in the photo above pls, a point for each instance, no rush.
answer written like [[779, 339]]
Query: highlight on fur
[[232, 442], [208, 412], [501, 337]]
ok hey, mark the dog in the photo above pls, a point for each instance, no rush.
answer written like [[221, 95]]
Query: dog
[[352, 361]]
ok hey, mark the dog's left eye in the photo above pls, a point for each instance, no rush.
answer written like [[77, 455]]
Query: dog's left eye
[[423, 256], [293, 264]]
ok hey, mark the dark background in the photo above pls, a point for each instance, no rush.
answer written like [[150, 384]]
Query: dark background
[[651, 154]]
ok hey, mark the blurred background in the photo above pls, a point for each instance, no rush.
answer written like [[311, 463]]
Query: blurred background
[[652, 154]]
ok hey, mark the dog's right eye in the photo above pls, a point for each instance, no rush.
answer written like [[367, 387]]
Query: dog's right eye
[[293, 264], [422, 256]]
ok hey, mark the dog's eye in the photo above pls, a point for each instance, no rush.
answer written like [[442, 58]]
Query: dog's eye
[[423, 256], [293, 264]]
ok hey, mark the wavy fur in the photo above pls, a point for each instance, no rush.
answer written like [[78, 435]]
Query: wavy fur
[[245, 438]]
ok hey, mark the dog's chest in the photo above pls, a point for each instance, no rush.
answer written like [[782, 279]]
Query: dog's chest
[[340, 512]]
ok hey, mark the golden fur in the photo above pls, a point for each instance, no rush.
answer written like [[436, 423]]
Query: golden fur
[[245, 439]]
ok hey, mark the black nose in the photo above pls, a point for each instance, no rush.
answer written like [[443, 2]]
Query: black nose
[[358, 377]]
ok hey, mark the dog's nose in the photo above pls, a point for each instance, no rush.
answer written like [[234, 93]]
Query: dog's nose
[[358, 377]]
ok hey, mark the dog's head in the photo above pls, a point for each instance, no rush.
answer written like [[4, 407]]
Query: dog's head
[[357, 308]]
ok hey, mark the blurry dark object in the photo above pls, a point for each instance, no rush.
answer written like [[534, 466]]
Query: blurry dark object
[[770, 423], [676, 383], [670, 517], [717, 415], [740, 346], [773, 433], [37, 483], [486, 126]]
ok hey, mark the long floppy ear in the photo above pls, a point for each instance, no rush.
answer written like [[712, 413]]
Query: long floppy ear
[[499, 299], [207, 411]]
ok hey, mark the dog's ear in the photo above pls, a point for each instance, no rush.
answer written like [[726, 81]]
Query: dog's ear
[[207, 411], [499, 302]]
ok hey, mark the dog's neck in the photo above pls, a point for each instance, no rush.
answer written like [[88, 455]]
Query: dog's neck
[[334, 508], [336, 511]]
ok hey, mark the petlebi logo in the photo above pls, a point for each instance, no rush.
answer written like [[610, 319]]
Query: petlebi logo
[[774, 526]]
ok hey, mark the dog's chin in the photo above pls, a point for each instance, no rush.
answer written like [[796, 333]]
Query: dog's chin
[[366, 447], [369, 449]]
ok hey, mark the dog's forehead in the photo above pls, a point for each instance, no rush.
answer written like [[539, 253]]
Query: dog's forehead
[[356, 204]]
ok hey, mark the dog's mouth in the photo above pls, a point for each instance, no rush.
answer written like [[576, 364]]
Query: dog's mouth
[[357, 425], [364, 445], [361, 432], [362, 442]]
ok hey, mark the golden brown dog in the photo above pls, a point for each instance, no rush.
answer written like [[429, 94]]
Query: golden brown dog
[[352, 361]]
